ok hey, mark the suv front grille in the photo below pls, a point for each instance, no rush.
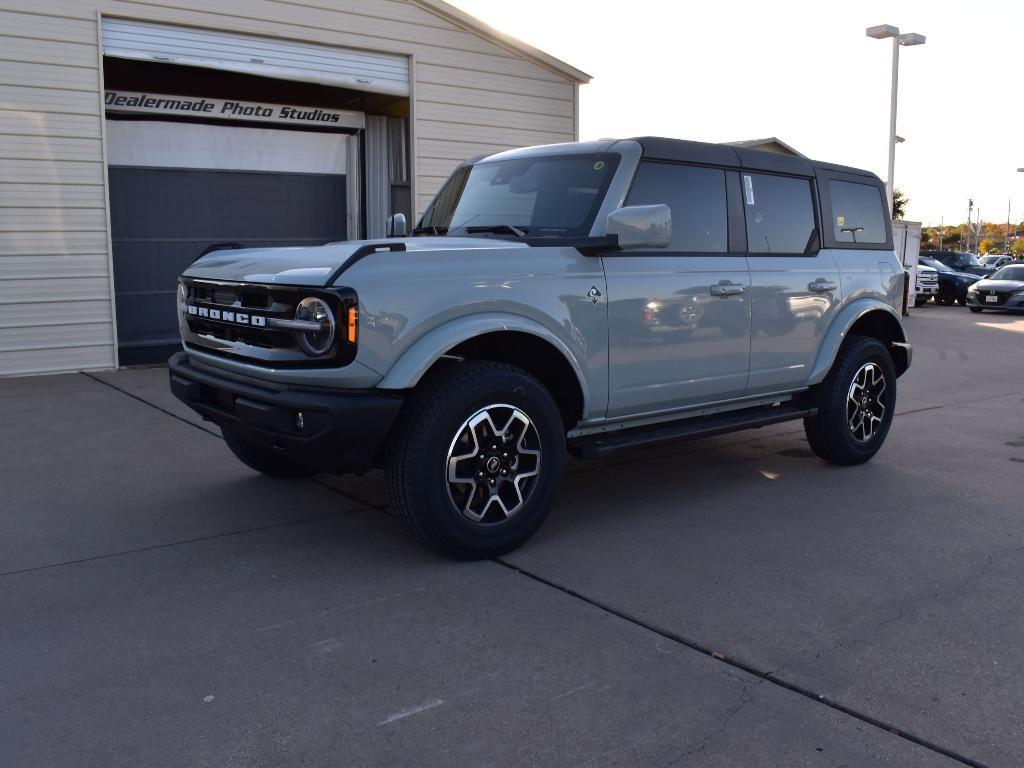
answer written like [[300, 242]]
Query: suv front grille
[[236, 320]]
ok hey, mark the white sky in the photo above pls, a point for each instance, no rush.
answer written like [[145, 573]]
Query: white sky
[[805, 72]]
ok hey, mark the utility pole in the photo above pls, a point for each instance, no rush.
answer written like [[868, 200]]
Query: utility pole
[[970, 209], [1007, 243], [942, 230]]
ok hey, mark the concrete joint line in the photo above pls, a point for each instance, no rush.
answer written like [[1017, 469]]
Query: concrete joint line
[[768, 676]]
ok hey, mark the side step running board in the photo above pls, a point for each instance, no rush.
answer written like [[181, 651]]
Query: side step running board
[[596, 446]]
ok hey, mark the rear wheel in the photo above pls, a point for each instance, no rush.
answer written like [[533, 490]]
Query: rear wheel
[[265, 460], [476, 459], [855, 404]]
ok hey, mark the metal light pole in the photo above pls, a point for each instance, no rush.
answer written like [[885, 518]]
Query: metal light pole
[[1019, 170], [881, 32], [970, 210], [1009, 202]]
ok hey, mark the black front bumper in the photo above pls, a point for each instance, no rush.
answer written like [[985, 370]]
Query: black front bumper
[[342, 431]]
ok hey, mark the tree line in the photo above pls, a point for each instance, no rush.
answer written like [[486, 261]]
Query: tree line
[[990, 237]]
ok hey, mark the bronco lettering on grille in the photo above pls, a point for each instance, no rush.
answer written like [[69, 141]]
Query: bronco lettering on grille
[[226, 316]]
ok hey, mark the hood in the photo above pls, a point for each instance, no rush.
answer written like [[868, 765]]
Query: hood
[[1003, 286], [314, 265], [982, 271]]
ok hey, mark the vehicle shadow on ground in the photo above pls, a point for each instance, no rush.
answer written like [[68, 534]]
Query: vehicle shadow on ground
[[689, 478]]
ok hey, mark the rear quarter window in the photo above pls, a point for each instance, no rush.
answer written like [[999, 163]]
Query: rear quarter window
[[858, 213]]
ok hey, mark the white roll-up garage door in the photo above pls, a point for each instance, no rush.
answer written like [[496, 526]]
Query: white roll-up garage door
[[307, 62]]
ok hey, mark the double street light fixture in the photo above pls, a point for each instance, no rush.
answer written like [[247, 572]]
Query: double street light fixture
[[881, 32]]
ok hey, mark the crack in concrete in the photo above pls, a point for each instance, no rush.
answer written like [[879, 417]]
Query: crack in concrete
[[720, 728], [918, 600], [180, 542]]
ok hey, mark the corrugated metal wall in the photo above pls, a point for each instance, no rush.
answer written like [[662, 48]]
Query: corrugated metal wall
[[471, 96]]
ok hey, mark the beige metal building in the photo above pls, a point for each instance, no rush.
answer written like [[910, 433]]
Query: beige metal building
[[136, 133]]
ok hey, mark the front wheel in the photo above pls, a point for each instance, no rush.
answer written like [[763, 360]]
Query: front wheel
[[975, 310], [855, 404], [476, 458], [946, 296]]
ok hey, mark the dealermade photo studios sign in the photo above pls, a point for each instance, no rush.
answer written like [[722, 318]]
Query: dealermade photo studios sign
[[227, 109]]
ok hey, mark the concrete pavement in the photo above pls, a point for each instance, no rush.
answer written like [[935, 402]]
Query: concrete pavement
[[163, 605]]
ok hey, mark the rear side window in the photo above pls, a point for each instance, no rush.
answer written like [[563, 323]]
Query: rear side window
[[696, 197], [780, 213], [857, 212]]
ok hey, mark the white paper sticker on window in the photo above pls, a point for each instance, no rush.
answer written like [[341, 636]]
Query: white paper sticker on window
[[748, 189]]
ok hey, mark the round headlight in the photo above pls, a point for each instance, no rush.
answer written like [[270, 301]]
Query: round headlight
[[315, 342]]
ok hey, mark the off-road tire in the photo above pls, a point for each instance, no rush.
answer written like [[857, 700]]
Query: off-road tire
[[423, 439], [264, 460], [829, 433]]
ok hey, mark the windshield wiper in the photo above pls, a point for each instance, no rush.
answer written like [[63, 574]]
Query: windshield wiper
[[499, 228], [430, 230]]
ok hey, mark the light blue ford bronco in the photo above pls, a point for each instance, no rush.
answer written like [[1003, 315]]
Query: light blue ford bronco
[[585, 297]]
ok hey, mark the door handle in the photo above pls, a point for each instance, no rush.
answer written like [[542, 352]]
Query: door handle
[[729, 289], [822, 286]]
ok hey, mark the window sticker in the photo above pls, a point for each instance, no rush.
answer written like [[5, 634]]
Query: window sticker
[[599, 165], [840, 221], [748, 189]]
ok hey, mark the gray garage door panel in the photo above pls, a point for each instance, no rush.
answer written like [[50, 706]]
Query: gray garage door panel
[[161, 219]]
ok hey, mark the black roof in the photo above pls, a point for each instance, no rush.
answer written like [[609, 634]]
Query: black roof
[[679, 150]]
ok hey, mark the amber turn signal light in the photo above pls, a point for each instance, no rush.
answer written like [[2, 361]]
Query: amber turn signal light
[[353, 324]]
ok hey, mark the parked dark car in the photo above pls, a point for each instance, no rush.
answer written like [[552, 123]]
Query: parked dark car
[[961, 261], [953, 285], [1004, 290]]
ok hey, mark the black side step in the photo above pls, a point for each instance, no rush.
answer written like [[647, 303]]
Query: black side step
[[596, 446]]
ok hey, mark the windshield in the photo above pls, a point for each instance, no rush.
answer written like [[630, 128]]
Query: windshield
[[986, 260], [544, 196], [967, 260], [935, 264], [1009, 272]]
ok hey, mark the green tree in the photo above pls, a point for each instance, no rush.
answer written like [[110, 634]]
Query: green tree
[[899, 204]]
